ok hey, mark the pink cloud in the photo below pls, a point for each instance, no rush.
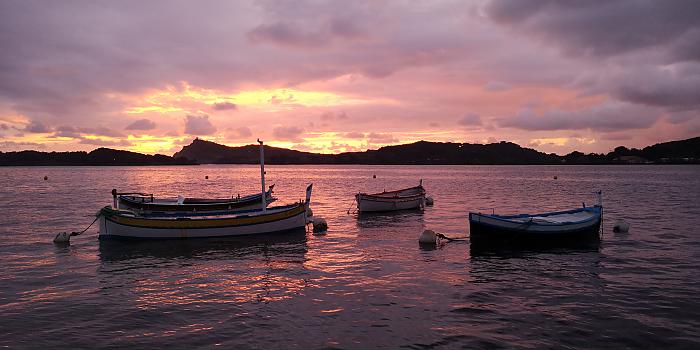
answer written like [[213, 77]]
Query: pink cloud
[[199, 125]]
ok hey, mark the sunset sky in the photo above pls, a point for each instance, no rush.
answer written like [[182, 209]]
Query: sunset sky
[[150, 76]]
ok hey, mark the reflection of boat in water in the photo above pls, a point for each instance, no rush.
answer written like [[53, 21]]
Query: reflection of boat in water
[[407, 198], [384, 219], [147, 203], [258, 268], [561, 228], [209, 249], [479, 249]]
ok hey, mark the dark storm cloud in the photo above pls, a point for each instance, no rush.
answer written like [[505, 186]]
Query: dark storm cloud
[[610, 116], [677, 88], [67, 131], [141, 124], [78, 132], [108, 143], [644, 52], [605, 28], [15, 146], [225, 106], [37, 127], [305, 34]]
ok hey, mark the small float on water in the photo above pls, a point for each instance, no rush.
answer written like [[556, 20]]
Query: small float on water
[[143, 202], [552, 228], [407, 198]]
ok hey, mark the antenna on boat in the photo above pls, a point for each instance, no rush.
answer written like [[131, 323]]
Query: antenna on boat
[[262, 175]]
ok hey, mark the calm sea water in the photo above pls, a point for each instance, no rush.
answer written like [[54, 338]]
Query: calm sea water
[[367, 283]]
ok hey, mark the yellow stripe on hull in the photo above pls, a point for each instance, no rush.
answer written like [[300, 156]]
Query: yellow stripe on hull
[[206, 222]]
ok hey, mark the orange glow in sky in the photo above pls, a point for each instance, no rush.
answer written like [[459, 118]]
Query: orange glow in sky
[[346, 77]]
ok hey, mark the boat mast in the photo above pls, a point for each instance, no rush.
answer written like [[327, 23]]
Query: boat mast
[[262, 174]]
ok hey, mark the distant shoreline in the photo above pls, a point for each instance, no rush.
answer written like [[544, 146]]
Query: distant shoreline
[[336, 164], [417, 153]]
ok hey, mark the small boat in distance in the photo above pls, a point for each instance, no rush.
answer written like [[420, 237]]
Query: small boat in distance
[[553, 228], [147, 203], [407, 198]]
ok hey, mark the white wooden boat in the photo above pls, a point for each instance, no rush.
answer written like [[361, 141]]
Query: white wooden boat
[[576, 225], [127, 224], [148, 203], [120, 224], [408, 198]]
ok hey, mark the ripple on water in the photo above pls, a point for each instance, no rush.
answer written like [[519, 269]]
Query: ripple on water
[[367, 284]]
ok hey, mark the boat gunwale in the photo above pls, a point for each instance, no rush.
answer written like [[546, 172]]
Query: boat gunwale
[[230, 214], [386, 194], [362, 196], [595, 210], [130, 200], [165, 214]]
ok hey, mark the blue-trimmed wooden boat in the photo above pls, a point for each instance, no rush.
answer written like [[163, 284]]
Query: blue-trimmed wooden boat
[[569, 226], [147, 203]]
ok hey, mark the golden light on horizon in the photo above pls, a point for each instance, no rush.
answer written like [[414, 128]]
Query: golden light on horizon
[[192, 99], [153, 144], [562, 141]]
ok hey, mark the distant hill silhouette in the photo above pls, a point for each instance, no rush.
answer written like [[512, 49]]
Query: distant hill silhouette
[[422, 152], [100, 156], [673, 152]]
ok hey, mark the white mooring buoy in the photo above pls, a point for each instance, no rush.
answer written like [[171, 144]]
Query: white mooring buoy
[[62, 237], [621, 226], [428, 237]]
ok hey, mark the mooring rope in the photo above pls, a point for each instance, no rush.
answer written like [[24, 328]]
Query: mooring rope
[[440, 235], [351, 203], [77, 233]]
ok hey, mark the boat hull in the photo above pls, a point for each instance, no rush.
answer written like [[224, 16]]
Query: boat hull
[[488, 231], [377, 204], [142, 228]]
